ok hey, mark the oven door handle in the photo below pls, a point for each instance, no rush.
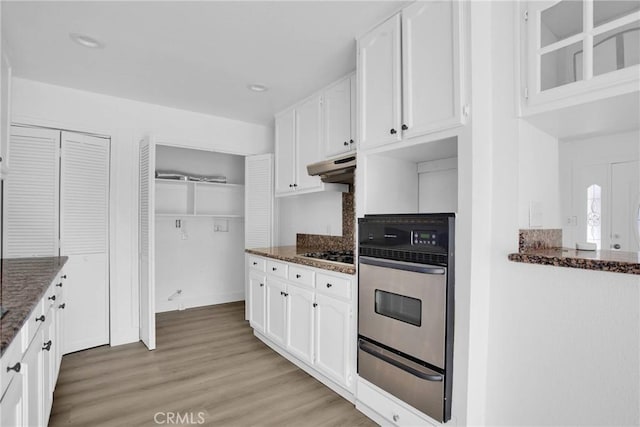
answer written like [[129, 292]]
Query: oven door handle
[[400, 265], [422, 375]]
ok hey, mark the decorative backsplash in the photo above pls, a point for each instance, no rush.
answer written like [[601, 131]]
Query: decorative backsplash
[[319, 242], [533, 239]]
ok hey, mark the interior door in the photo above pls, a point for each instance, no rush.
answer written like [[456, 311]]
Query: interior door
[[146, 243], [625, 206], [84, 237]]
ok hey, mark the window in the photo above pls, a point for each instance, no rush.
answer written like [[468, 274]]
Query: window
[[594, 215]]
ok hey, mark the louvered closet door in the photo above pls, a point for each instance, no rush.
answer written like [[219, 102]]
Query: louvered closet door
[[258, 201], [84, 236], [31, 194], [146, 243]]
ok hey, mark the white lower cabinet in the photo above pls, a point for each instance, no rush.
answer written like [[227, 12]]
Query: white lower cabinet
[[29, 377], [276, 314], [257, 292], [332, 338], [300, 307], [311, 324]]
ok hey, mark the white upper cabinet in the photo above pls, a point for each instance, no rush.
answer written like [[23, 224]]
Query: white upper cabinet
[[338, 118], [299, 142], [308, 142], [572, 48], [285, 151], [409, 74], [379, 72], [431, 71]]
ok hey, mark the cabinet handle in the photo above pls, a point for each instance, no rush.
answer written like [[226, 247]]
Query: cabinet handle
[[63, 305], [47, 346], [351, 141], [52, 298], [345, 143], [255, 263], [405, 127], [315, 304], [274, 268], [290, 185], [281, 293], [40, 319], [329, 285], [285, 294], [298, 276], [295, 185], [261, 284], [64, 277], [393, 132], [15, 367], [396, 417], [59, 285]]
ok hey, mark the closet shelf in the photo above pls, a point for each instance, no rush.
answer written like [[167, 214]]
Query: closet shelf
[[203, 183]]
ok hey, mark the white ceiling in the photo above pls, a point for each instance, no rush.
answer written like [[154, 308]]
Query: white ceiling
[[197, 56]]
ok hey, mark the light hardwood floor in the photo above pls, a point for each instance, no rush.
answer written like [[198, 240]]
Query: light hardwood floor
[[207, 365]]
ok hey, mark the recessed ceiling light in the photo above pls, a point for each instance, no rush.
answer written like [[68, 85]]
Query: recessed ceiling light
[[257, 87], [86, 41]]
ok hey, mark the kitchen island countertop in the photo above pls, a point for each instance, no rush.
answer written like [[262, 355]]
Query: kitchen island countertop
[[293, 254], [604, 260], [24, 282]]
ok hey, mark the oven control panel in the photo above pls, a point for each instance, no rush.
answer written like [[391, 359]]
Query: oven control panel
[[424, 238]]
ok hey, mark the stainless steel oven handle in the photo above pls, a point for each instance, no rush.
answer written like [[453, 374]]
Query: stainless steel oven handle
[[422, 375], [399, 265]]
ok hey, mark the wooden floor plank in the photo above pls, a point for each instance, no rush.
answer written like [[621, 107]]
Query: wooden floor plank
[[207, 363]]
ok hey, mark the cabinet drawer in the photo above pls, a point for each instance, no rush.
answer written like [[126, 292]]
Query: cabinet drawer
[[257, 263], [333, 285], [277, 268], [11, 356], [301, 276], [32, 325], [395, 413]]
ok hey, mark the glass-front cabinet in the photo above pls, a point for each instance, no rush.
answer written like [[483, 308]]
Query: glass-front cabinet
[[572, 46]]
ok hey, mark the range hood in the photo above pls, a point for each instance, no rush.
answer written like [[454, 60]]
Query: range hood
[[339, 170]]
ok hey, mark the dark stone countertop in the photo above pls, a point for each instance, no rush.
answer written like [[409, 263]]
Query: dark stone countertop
[[292, 254], [24, 281], [613, 261]]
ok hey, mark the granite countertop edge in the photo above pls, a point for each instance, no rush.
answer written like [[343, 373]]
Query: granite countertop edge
[[24, 282], [290, 254], [564, 257]]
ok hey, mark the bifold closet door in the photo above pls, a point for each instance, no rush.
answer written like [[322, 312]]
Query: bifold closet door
[[31, 194], [146, 243], [84, 237]]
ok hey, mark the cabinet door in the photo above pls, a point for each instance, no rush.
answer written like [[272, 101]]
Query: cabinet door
[[379, 85], [308, 142], [257, 300], [12, 404], [333, 326], [337, 118], [430, 73], [49, 348], [285, 151], [59, 310], [32, 363], [300, 322], [276, 310]]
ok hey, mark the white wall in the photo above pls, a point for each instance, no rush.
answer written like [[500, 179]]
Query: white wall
[[315, 213], [127, 122], [563, 344], [438, 186], [538, 176]]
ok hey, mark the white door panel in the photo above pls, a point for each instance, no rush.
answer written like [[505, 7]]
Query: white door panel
[[337, 118], [332, 338], [276, 311], [146, 243], [86, 294], [625, 207], [285, 152], [300, 313], [308, 142]]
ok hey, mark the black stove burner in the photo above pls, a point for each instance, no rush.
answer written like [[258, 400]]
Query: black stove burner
[[345, 257]]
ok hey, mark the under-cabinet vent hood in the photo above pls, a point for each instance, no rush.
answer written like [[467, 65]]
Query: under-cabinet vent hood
[[339, 170]]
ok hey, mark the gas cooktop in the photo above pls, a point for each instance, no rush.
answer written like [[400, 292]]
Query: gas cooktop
[[345, 257]]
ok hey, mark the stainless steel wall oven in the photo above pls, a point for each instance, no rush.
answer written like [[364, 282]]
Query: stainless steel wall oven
[[406, 308]]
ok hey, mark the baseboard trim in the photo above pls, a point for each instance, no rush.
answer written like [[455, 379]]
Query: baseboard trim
[[198, 301]]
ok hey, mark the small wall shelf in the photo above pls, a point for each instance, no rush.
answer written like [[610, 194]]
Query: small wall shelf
[[199, 199]]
